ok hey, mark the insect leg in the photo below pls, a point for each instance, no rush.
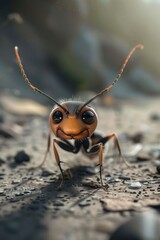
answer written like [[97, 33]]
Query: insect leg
[[47, 151], [116, 143], [101, 161], [98, 149], [55, 141], [67, 146]]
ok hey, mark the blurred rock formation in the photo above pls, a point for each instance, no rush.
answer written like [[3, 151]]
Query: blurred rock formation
[[78, 45]]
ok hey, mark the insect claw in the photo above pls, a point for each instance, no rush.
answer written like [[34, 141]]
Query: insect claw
[[105, 186]]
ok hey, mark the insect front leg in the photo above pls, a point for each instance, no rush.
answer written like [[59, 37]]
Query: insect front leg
[[97, 149], [101, 161], [67, 146]]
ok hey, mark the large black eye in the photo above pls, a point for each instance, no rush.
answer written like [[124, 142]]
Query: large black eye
[[57, 117], [88, 117]]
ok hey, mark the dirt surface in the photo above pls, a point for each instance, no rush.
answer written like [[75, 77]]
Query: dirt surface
[[33, 208]]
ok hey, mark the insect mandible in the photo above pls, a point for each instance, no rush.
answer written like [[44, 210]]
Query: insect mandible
[[77, 121]]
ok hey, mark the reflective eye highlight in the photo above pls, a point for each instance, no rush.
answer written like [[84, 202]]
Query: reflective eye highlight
[[57, 117], [88, 117]]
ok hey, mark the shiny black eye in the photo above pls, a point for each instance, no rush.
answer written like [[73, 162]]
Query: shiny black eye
[[57, 117], [88, 117]]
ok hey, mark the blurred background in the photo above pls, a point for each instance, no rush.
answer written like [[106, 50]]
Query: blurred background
[[72, 47]]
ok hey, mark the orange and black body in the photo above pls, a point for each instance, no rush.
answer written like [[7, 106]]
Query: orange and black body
[[76, 121]]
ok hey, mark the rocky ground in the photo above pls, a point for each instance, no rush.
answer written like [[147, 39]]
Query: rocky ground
[[33, 208]]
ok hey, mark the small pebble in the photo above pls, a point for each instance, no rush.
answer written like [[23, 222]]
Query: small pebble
[[27, 191], [111, 180], [124, 178], [21, 157], [156, 193], [19, 194], [2, 192], [46, 173], [91, 170], [84, 203], [143, 156], [58, 204], [71, 210], [16, 181], [135, 185]]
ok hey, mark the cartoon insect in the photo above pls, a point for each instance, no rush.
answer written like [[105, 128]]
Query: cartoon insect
[[76, 120]]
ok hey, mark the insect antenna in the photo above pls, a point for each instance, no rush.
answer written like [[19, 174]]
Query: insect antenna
[[29, 83], [117, 77]]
